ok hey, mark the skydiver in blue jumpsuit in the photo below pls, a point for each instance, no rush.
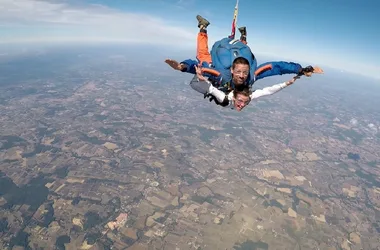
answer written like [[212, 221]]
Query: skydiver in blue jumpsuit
[[216, 65]]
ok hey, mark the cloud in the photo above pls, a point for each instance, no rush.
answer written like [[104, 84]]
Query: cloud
[[372, 127], [354, 122], [53, 21]]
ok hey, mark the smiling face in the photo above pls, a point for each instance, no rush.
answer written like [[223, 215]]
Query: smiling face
[[240, 74], [241, 98], [240, 102], [240, 71]]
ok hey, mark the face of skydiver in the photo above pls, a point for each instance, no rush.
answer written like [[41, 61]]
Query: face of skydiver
[[240, 101], [240, 73]]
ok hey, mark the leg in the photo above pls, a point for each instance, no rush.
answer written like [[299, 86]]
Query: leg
[[203, 54], [243, 36], [202, 87]]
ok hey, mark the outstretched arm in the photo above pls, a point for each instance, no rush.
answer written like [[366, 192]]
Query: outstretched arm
[[184, 66], [273, 89], [280, 68], [189, 67], [277, 68]]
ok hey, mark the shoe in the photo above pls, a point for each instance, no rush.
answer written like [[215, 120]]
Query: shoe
[[202, 22], [243, 31]]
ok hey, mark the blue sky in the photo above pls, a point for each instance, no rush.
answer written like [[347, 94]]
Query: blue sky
[[343, 34]]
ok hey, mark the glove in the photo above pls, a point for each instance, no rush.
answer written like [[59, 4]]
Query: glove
[[211, 98], [309, 70]]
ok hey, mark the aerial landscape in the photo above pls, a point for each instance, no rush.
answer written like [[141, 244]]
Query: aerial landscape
[[108, 143], [95, 154]]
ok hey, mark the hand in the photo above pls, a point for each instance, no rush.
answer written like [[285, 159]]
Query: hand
[[175, 65], [198, 70], [211, 97], [317, 70], [291, 81]]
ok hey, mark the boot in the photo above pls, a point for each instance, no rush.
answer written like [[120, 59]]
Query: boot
[[243, 31], [202, 22]]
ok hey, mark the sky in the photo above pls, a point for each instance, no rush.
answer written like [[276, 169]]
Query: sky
[[342, 34]]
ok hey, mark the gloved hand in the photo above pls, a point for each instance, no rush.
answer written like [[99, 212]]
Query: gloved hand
[[309, 70], [213, 98]]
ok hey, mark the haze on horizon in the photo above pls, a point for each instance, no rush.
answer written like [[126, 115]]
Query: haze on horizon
[[323, 33]]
